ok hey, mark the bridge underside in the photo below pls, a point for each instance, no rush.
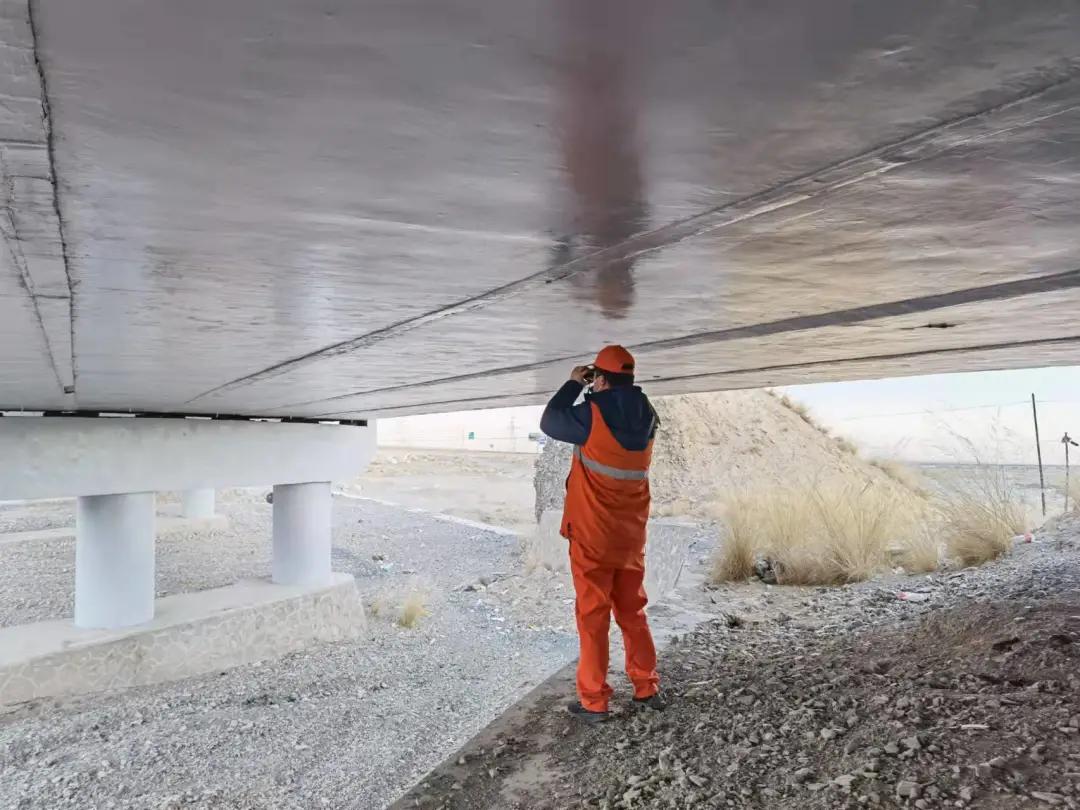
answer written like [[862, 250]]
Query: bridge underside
[[270, 207]]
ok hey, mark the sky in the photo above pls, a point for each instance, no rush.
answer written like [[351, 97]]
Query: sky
[[954, 418], [951, 417]]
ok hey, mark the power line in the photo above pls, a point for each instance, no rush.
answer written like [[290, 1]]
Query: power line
[[932, 411]]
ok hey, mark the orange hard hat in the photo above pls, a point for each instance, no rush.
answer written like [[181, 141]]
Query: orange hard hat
[[615, 359]]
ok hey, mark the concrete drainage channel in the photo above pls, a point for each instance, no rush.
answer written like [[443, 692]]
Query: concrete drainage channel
[[343, 724]]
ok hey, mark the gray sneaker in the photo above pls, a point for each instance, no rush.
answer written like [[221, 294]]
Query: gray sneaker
[[657, 702], [587, 715]]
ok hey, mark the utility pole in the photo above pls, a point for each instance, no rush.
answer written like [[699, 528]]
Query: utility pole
[[1038, 452]]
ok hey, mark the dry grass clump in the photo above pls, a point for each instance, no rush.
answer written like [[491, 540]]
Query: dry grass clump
[[981, 528], [846, 446], [799, 410], [921, 554], [406, 610], [1073, 494], [815, 535], [379, 606], [734, 559], [901, 474], [975, 535], [413, 609], [980, 517], [981, 512]]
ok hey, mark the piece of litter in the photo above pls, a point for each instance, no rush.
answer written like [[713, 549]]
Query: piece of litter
[[913, 596]]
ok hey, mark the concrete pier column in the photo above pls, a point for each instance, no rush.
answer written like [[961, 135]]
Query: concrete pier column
[[198, 503], [114, 560], [302, 534]]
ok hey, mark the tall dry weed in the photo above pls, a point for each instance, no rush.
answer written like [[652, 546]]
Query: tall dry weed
[[980, 516], [734, 559], [799, 410], [921, 554], [846, 446], [413, 608], [1073, 494], [902, 474], [821, 534], [980, 510]]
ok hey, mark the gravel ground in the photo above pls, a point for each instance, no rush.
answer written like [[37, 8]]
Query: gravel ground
[[348, 725], [784, 697], [488, 487], [36, 517], [965, 694]]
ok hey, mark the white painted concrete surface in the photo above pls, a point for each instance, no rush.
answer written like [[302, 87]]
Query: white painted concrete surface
[[302, 515], [192, 633], [197, 504], [49, 457], [114, 560]]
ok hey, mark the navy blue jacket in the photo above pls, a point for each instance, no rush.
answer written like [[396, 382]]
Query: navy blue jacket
[[626, 410]]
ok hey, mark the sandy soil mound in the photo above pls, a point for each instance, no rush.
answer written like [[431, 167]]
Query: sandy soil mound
[[712, 445]]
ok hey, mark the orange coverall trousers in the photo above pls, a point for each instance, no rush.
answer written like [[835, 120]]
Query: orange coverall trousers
[[601, 591]]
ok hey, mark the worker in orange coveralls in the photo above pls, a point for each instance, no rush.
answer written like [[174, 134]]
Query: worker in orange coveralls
[[607, 507]]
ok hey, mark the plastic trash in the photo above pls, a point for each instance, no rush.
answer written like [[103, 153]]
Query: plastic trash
[[913, 596]]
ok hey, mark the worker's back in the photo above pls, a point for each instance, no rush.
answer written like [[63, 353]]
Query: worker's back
[[607, 495]]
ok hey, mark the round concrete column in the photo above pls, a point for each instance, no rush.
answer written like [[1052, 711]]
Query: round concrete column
[[198, 503], [114, 560], [302, 534]]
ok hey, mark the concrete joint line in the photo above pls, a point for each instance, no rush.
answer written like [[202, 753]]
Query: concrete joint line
[[9, 229], [67, 372], [799, 323]]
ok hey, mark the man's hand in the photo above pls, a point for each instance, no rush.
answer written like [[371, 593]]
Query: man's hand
[[580, 375]]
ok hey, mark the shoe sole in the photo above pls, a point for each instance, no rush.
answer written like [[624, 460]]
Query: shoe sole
[[590, 717]]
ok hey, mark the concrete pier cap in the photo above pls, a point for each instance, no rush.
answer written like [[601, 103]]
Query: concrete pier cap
[[47, 457], [114, 465]]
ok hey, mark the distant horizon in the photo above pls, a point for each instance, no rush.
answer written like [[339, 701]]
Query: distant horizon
[[943, 418], [932, 419]]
